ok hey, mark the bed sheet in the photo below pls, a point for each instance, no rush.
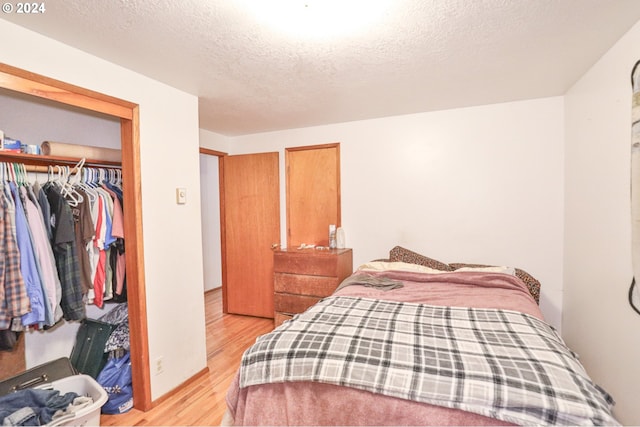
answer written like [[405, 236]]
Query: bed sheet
[[311, 403]]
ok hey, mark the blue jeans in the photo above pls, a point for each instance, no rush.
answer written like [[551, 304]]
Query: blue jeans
[[32, 407]]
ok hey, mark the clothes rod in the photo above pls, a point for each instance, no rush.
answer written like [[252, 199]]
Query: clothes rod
[[45, 169]]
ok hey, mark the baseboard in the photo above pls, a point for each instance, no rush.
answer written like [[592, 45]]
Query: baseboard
[[187, 383]]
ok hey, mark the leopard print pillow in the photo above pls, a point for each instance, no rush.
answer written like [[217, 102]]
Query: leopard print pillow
[[529, 280], [405, 255]]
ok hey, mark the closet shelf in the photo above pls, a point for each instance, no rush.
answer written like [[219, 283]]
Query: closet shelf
[[41, 160]]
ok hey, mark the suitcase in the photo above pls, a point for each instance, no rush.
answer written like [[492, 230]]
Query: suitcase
[[45, 373], [88, 356]]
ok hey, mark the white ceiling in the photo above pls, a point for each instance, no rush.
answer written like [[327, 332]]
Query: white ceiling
[[419, 55]]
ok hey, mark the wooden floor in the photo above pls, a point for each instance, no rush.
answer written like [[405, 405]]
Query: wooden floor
[[202, 402]]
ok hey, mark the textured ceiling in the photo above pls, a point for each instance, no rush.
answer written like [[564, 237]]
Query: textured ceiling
[[413, 56]]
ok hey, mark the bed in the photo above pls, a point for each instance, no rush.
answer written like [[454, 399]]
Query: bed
[[412, 341]]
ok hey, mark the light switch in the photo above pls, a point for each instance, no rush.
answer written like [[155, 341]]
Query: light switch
[[181, 196]]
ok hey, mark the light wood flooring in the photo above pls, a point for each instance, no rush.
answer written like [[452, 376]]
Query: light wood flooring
[[202, 402]]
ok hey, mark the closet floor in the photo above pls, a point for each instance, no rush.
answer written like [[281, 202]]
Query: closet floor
[[203, 401]]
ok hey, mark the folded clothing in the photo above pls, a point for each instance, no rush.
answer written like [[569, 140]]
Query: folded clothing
[[382, 283], [36, 406]]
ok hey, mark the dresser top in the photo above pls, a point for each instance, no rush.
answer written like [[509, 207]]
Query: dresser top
[[312, 251]]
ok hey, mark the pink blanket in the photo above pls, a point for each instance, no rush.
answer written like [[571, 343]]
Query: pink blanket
[[308, 403]]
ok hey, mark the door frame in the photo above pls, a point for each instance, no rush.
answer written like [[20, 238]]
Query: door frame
[[223, 246], [19, 80]]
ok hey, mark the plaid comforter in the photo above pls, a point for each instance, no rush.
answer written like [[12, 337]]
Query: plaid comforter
[[498, 363]]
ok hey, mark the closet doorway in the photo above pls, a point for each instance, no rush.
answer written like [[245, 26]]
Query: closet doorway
[[21, 81], [211, 204]]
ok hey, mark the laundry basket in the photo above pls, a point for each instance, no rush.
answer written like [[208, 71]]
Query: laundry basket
[[83, 385]]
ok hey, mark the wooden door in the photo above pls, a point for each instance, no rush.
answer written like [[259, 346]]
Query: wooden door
[[313, 193], [251, 226]]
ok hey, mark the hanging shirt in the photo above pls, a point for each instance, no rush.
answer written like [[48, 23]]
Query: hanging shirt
[[107, 240], [100, 276], [92, 250], [108, 199], [14, 301], [64, 250], [117, 230], [28, 267], [39, 198], [48, 308], [45, 208], [84, 231], [44, 259]]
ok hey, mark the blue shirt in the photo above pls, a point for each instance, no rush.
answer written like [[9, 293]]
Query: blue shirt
[[28, 266]]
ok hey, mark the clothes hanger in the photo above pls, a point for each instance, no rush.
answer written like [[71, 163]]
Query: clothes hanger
[[26, 174], [77, 182], [35, 176], [77, 173], [10, 177], [18, 171], [82, 183], [21, 174], [93, 178], [12, 173], [5, 191], [69, 193]]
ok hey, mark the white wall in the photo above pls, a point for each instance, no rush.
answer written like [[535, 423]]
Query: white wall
[[478, 184], [598, 322], [214, 141], [169, 159], [211, 243]]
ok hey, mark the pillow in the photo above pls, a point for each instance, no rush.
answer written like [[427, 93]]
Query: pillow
[[383, 265], [398, 266], [529, 280], [491, 269], [405, 255]]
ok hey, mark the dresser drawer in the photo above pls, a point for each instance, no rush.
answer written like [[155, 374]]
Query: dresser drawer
[[280, 318], [336, 262], [292, 304], [318, 286], [302, 277]]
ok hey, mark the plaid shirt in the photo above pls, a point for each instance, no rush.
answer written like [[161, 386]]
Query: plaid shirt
[[14, 301], [64, 251]]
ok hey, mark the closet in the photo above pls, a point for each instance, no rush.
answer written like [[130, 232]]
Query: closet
[[22, 83]]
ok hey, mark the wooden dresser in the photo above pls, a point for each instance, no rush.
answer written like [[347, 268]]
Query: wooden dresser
[[304, 276]]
